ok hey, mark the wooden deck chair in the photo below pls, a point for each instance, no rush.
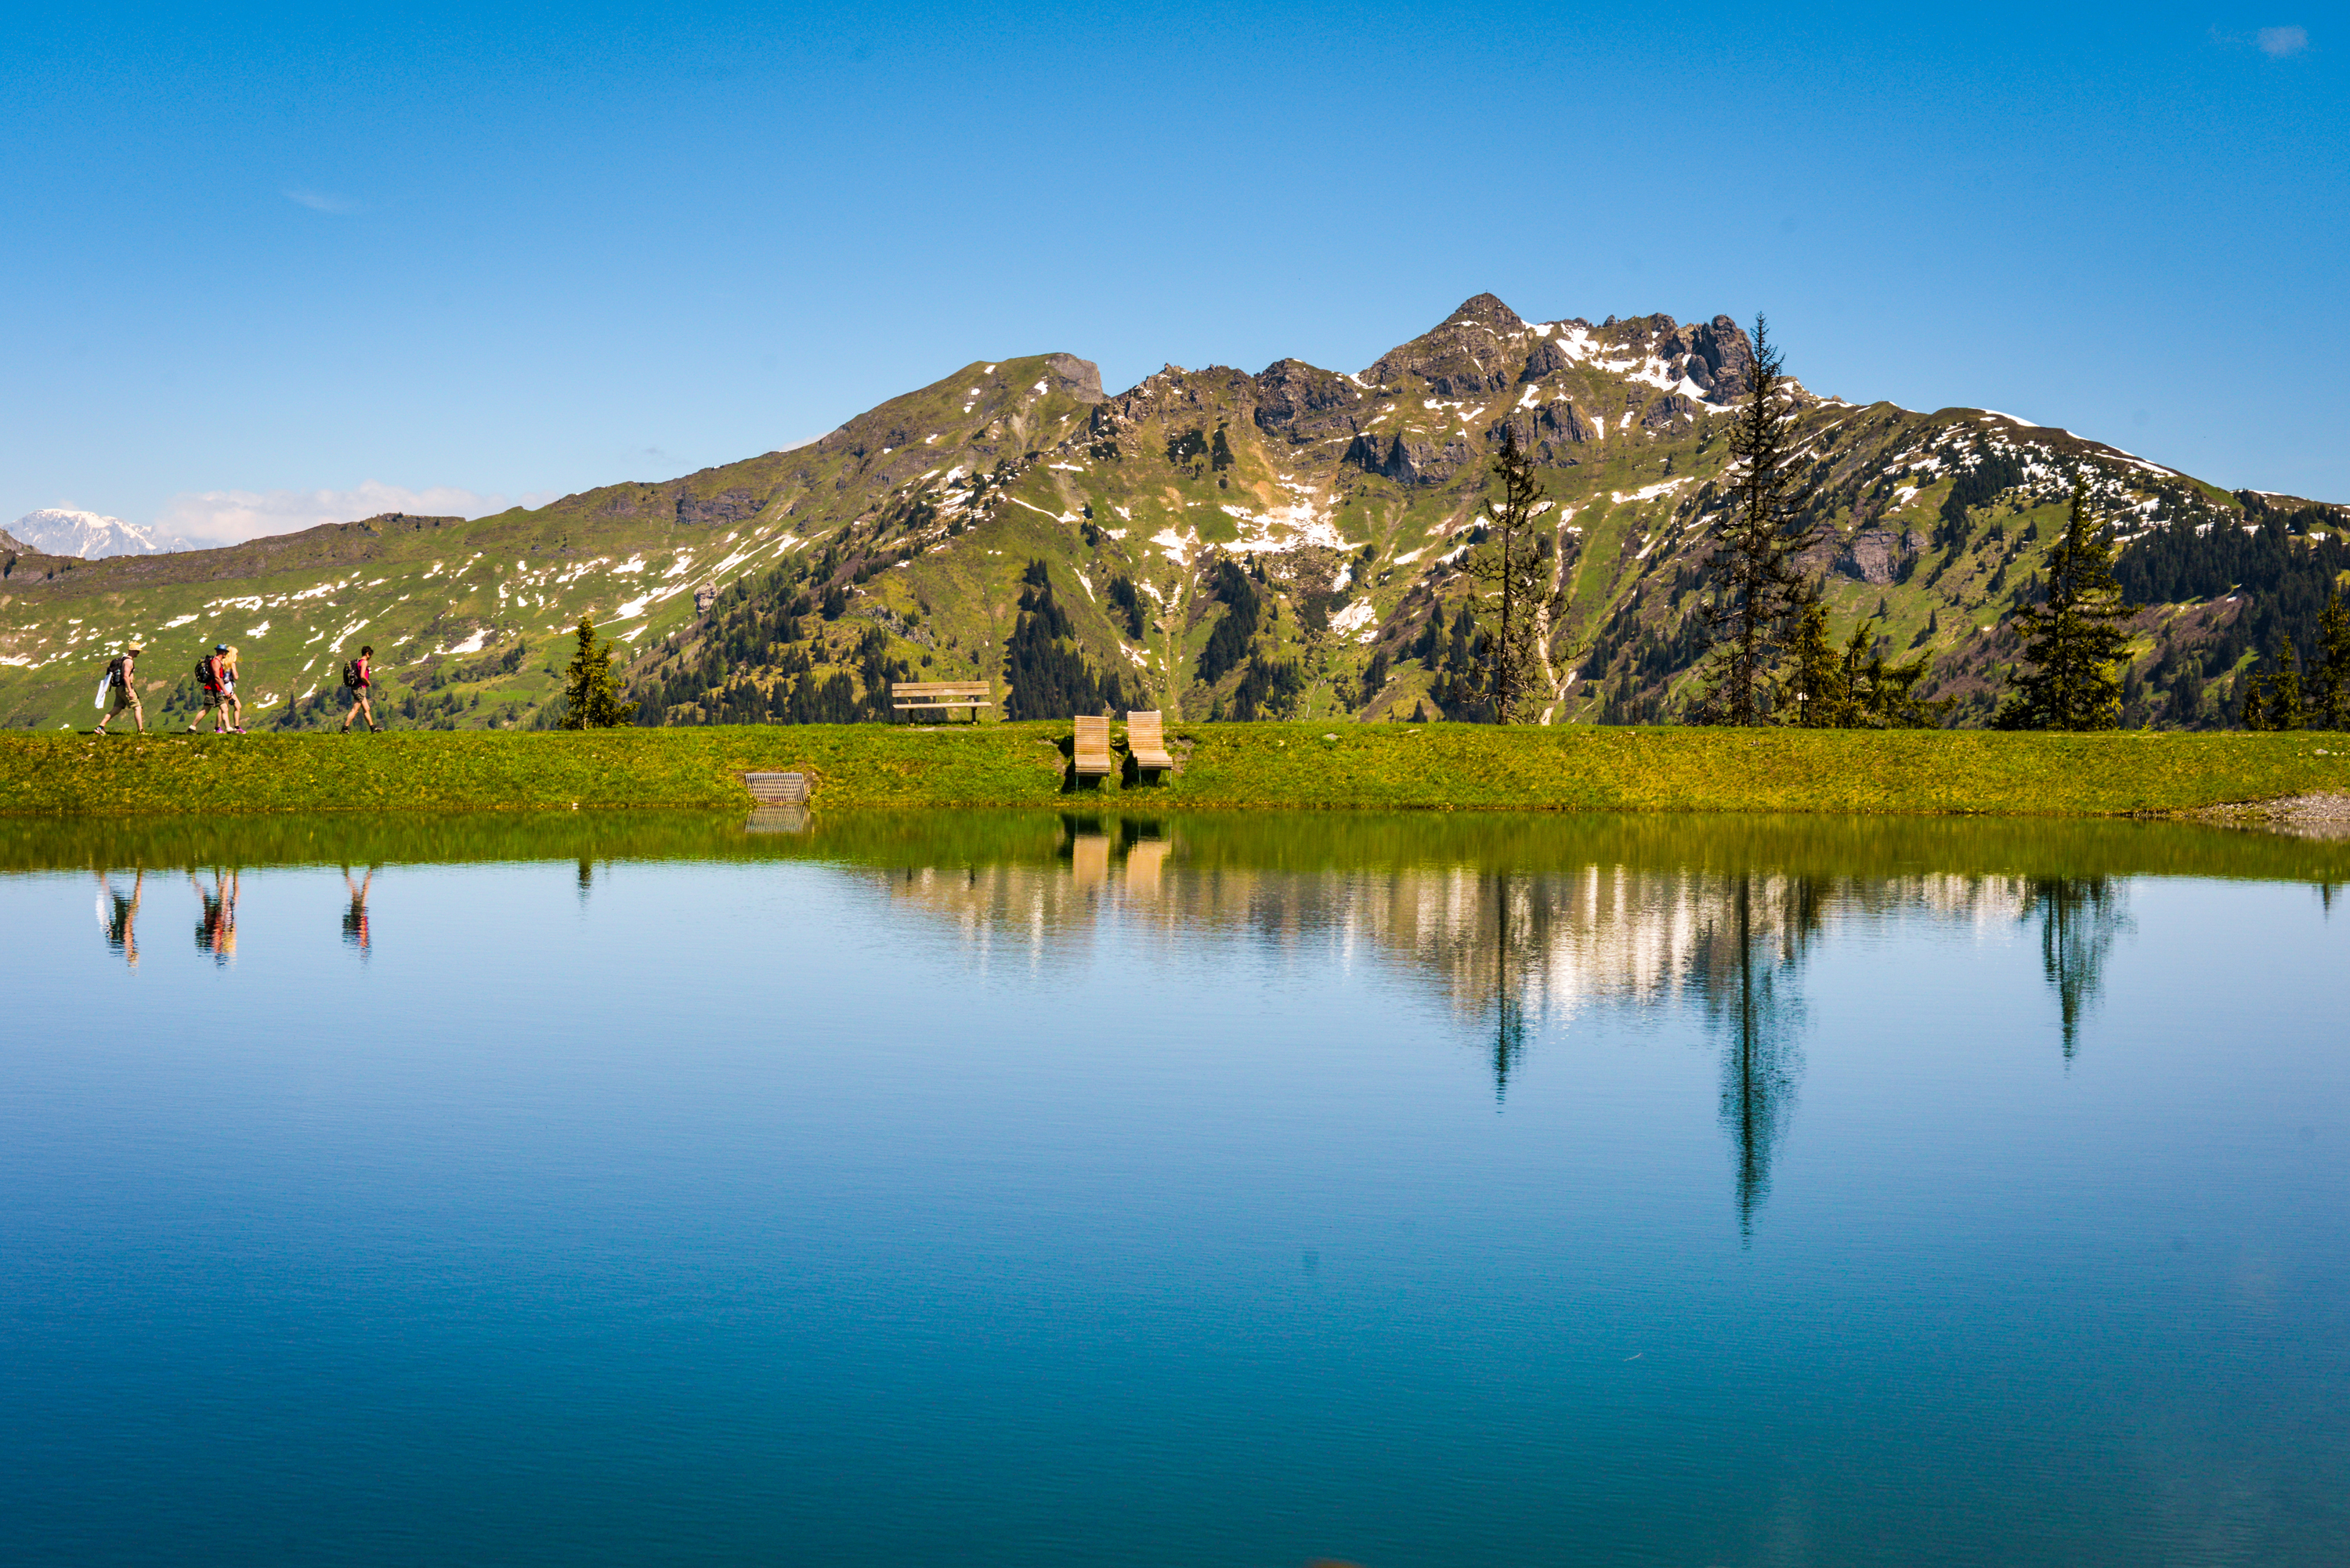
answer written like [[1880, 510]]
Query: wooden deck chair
[[1092, 748], [1146, 738]]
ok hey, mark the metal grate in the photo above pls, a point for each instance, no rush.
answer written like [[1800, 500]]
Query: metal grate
[[778, 789]]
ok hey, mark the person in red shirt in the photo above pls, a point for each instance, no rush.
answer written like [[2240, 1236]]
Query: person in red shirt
[[209, 694], [358, 675]]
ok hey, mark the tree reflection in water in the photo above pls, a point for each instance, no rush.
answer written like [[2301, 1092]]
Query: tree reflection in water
[[1514, 952], [1514, 916], [1743, 969], [2079, 919]]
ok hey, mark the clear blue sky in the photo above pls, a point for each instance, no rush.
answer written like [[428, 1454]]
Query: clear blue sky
[[523, 251]]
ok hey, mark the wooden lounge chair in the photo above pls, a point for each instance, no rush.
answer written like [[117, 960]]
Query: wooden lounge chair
[[939, 695], [1092, 749], [1146, 739]]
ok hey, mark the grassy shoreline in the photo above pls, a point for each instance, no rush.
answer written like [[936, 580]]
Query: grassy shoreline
[[1225, 767]]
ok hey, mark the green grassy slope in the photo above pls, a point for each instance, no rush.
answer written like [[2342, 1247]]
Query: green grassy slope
[[895, 543], [1264, 765]]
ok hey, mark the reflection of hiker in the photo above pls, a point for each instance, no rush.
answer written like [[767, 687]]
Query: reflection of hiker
[[210, 698], [232, 706], [216, 931], [354, 918], [119, 680], [119, 915], [357, 676]]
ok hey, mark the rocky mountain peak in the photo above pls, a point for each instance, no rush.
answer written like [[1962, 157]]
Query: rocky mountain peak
[[1485, 310], [1081, 379]]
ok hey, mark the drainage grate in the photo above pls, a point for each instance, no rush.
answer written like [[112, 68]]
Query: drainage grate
[[778, 789]]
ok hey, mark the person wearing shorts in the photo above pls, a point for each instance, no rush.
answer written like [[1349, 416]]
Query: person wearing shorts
[[360, 677], [232, 706], [126, 690], [210, 696]]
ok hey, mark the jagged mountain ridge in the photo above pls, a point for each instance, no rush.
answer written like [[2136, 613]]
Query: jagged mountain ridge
[[1336, 504]]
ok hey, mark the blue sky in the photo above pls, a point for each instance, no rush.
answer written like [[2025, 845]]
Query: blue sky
[[258, 262]]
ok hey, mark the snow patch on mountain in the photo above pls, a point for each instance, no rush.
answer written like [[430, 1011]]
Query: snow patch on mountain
[[90, 535]]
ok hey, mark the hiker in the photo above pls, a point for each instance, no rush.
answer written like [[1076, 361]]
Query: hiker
[[354, 918], [357, 676], [121, 920], [209, 698], [232, 706], [217, 930], [118, 673]]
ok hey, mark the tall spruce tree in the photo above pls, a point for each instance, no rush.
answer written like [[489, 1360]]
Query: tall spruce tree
[[1517, 572], [591, 700], [2330, 706], [2072, 637], [2284, 689], [1756, 589], [1817, 685]]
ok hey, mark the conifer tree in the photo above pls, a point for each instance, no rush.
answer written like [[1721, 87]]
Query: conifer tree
[[2255, 714], [591, 700], [1818, 687], [2071, 638], [1044, 672], [2284, 690], [2330, 705], [1516, 571], [1756, 588]]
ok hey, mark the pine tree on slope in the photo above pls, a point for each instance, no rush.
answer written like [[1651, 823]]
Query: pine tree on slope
[[2255, 714], [1517, 571], [2071, 638], [591, 701], [1818, 686], [2284, 690], [1756, 588], [2330, 707]]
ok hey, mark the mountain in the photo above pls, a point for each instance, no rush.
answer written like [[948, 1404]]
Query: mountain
[[88, 536], [1209, 542]]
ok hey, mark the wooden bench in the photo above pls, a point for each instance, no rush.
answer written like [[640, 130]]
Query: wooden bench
[[1091, 753], [1145, 740], [942, 695]]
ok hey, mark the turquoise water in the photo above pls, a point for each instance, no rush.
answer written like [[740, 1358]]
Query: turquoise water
[[1029, 1189]]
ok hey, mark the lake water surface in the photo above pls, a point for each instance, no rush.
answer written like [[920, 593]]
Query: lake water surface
[[1024, 1189]]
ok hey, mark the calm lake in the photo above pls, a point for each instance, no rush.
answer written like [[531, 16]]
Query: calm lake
[[995, 1189]]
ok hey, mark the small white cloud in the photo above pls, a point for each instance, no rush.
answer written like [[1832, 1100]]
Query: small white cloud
[[232, 516], [2276, 43], [327, 201]]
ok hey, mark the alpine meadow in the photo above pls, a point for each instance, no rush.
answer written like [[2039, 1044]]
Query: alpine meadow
[[1297, 543]]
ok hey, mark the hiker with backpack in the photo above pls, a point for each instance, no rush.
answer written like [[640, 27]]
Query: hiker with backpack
[[232, 706], [357, 676], [210, 698], [118, 680], [120, 915]]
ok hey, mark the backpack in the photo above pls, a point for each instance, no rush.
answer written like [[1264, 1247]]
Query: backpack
[[206, 676], [351, 675]]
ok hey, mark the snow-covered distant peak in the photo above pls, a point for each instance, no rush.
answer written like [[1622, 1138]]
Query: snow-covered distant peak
[[57, 532]]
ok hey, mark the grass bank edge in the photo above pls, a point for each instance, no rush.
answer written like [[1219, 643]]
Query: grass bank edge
[[1239, 766]]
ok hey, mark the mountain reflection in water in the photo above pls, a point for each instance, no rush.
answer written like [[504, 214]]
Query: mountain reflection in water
[[1007, 1187], [1512, 952]]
